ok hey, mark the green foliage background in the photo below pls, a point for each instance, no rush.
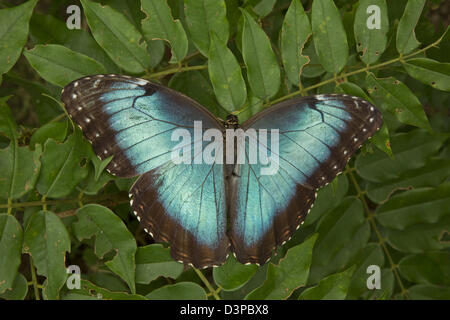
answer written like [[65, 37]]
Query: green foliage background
[[391, 207]]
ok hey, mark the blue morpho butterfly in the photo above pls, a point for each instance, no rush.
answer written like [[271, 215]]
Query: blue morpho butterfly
[[205, 210]]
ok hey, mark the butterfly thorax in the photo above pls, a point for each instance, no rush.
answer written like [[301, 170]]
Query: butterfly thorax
[[231, 122]]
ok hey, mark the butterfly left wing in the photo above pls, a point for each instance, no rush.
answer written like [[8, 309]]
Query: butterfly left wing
[[317, 136], [132, 120]]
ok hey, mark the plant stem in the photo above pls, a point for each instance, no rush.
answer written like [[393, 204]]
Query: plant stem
[[348, 74], [34, 279], [207, 283], [175, 70], [381, 240]]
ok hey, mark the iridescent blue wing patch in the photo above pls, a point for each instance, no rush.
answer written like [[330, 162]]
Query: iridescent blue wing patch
[[132, 120], [317, 136]]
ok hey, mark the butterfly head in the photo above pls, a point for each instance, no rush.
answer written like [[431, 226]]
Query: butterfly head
[[231, 121]]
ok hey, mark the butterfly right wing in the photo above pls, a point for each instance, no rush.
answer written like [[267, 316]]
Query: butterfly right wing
[[132, 120]]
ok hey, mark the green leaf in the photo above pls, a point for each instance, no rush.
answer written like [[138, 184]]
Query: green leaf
[[334, 287], [426, 268], [92, 184], [63, 166], [196, 84], [226, 77], [13, 33], [291, 273], [110, 234], [154, 261], [263, 7], [54, 130], [430, 72], [429, 292], [10, 250], [178, 291], [60, 65], [47, 241], [372, 254], [159, 24], [313, 68], [395, 97], [90, 291], [205, 17], [19, 289], [41, 97], [405, 225], [295, 32], [381, 138], [99, 165], [406, 209], [434, 172], [330, 39], [232, 275], [411, 151], [343, 231], [263, 71], [117, 36], [406, 37], [47, 29], [371, 43], [327, 199], [19, 165]]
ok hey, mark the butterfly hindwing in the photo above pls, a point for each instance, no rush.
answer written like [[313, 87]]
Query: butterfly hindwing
[[317, 136], [132, 120]]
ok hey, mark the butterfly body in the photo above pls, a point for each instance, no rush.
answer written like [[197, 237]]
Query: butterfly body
[[205, 210]]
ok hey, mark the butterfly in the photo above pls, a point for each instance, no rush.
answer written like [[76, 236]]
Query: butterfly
[[205, 210]]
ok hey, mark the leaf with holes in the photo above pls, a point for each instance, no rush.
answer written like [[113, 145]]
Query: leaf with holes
[[47, 241], [295, 32], [117, 36], [395, 97], [64, 165], [54, 130], [159, 24], [405, 225], [371, 42], [433, 173], [406, 36], [263, 71], [110, 234], [430, 72]]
